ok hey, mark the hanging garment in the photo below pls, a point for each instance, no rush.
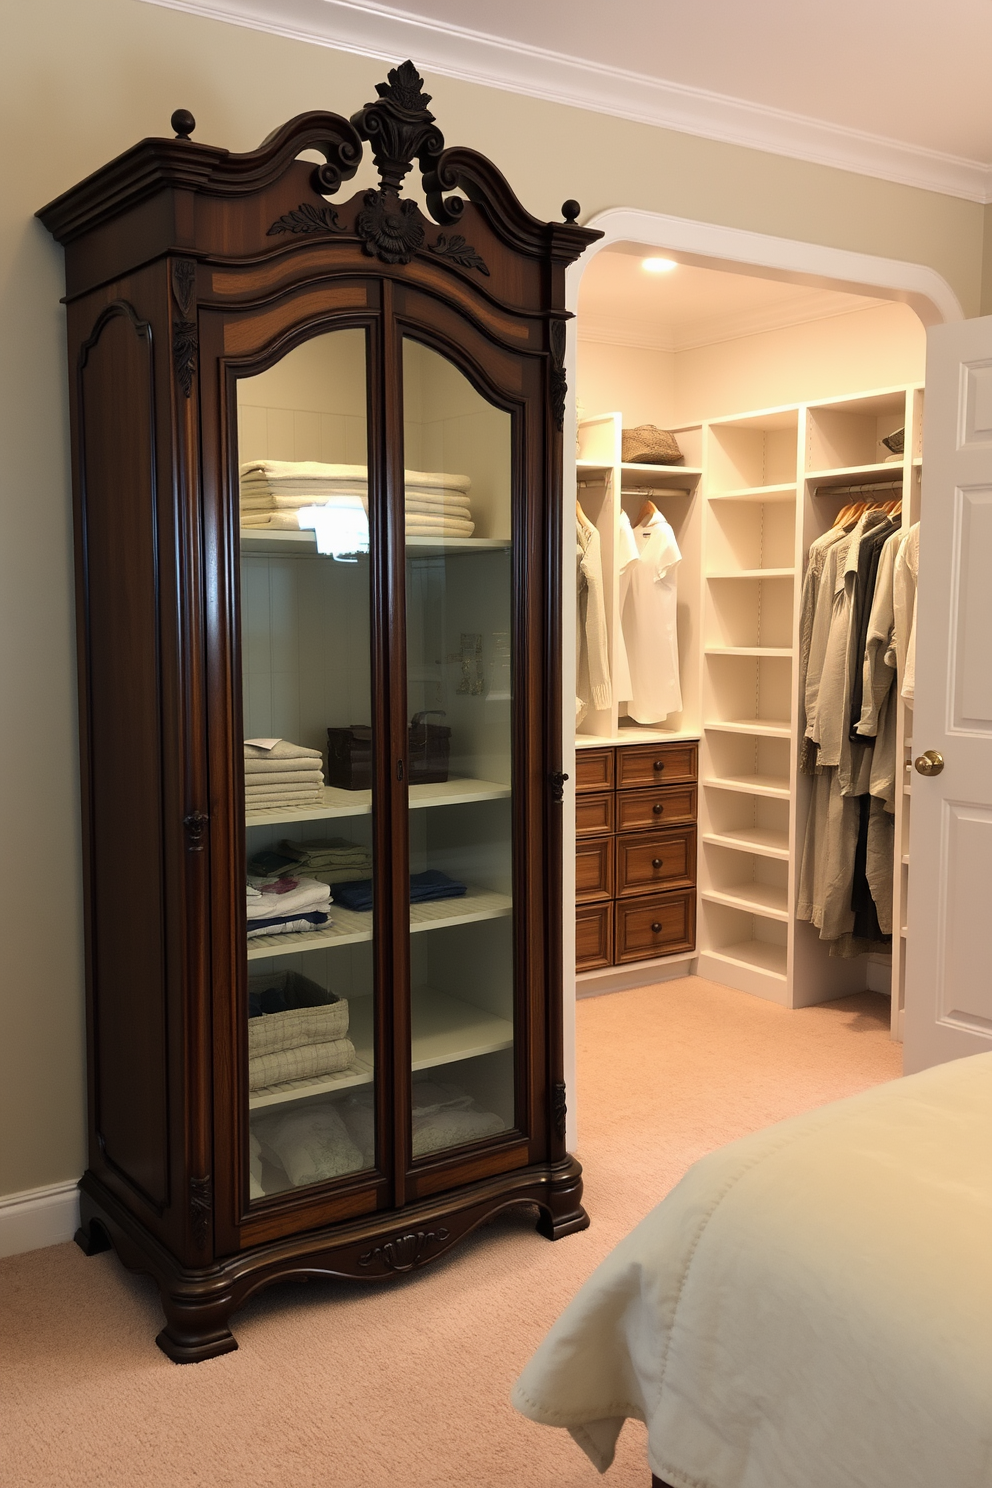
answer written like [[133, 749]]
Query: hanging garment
[[648, 610], [592, 680], [816, 559], [904, 584], [869, 556]]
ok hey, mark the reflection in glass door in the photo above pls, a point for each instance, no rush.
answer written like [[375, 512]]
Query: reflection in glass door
[[459, 688], [306, 659]]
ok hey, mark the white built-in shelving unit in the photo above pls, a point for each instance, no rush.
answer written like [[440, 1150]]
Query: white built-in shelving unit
[[756, 491]]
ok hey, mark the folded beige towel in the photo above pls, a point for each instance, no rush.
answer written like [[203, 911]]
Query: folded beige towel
[[309, 1060], [256, 766], [282, 749], [292, 1029], [285, 781]]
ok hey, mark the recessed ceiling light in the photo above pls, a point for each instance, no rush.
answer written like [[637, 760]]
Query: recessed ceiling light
[[658, 265]]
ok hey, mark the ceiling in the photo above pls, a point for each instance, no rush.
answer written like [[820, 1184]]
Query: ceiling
[[891, 88], [621, 303]]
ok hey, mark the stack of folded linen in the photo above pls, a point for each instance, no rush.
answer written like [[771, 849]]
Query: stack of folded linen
[[279, 495], [296, 1030], [284, 906], [310, 1144], [443, 1116], [437, 505], [423, 887], [278, 773], [274, 491]]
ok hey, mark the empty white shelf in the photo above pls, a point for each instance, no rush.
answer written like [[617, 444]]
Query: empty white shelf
[[350, 926], [757, 954], [776, 786], [786, 492], [762, 728], [754, 898], [445, 1029], [749, 651], [856, 475], [338, 802], [754, 573], [764, 841]]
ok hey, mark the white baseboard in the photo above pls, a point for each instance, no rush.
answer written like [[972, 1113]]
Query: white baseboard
[[38, 1217]]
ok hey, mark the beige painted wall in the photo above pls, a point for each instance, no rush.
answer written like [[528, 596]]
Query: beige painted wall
[[986, 307], [83, 79]]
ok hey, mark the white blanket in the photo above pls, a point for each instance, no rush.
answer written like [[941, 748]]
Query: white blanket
[[811, 1307]]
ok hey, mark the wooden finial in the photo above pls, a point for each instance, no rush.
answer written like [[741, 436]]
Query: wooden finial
[[183, 123], [570, 211]]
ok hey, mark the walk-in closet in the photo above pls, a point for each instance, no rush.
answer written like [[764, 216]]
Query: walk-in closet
[[757, 832]]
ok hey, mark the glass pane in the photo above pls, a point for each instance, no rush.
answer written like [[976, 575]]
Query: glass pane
[[459, 619], [306, 664]]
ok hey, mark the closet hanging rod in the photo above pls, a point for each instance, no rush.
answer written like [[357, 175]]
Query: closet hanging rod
[[654, 491], [870, 490]]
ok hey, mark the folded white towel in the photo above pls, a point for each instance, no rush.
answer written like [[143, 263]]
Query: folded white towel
[[274, 471], [421, 526], [457, 506], [282, 749], [309, 895], [270, 522]]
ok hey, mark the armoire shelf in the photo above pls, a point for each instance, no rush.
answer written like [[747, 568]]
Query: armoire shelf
[[336, 802], [352, 926], [229, 314], [449, 1029]]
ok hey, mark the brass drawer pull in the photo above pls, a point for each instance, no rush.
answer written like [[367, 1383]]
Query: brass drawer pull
[[659, 764], [657, 863], [657, 808], [656, 927]]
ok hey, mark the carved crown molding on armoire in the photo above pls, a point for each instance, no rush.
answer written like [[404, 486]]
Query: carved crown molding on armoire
[[190, 272]]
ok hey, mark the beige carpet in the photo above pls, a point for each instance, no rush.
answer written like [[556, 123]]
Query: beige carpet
[[338, 1386]]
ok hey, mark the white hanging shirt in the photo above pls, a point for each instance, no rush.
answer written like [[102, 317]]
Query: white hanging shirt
[[648, 605]]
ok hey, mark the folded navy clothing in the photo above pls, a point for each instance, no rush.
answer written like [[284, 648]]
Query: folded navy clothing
[[316, 917], [423, 886]]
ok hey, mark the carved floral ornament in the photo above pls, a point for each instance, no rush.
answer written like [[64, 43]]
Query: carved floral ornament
[[401, 129]]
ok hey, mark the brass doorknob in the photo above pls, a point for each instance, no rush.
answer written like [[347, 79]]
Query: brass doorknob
[[930, 763]]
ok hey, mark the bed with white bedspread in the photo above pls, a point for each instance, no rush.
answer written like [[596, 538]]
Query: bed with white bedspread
[[811, 1307]]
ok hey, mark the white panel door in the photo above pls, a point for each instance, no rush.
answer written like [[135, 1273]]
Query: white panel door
[[949, 925]]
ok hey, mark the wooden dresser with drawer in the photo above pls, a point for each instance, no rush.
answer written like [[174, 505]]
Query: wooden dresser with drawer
[[635, 852]]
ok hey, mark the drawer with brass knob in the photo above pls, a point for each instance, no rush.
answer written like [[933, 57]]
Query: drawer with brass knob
[[655, 860], [637, 810], [656, 764], [654, 925]]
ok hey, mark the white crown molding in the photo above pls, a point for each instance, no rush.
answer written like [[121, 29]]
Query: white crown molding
[[372, 30], [38, 1217], [711, 330], [712, 246]]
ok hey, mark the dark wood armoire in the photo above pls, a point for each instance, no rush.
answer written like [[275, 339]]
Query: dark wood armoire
[[317, 454]]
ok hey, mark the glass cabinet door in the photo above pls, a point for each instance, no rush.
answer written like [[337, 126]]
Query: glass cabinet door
[[306, 660], [459, 690]]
